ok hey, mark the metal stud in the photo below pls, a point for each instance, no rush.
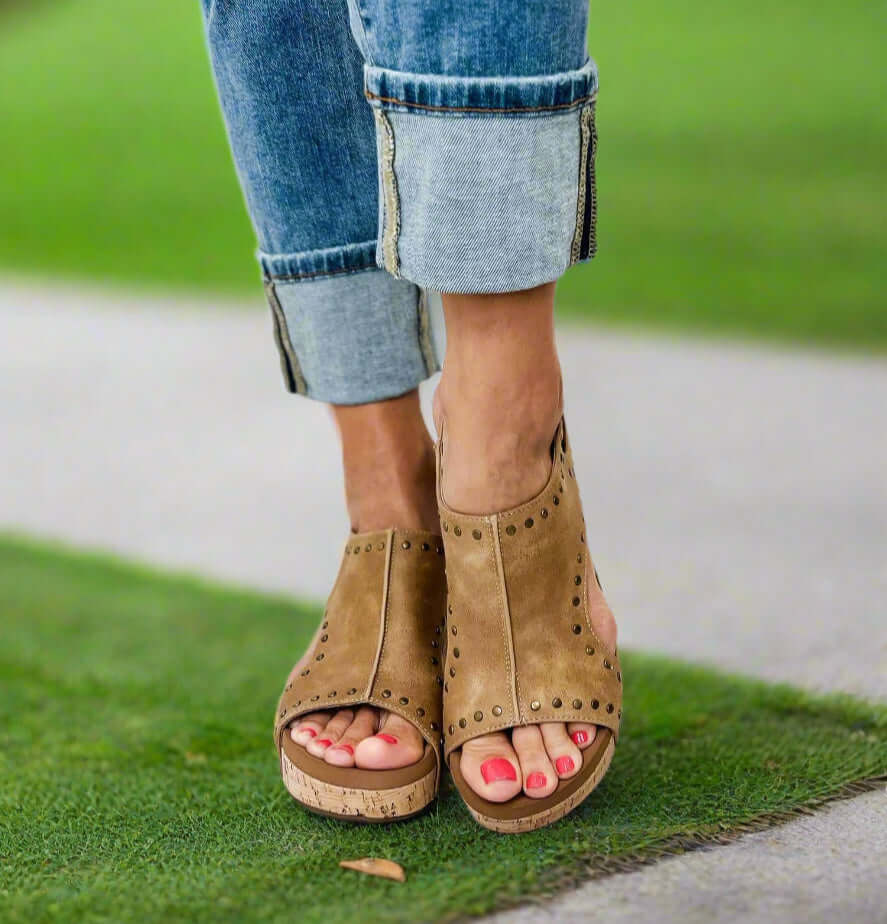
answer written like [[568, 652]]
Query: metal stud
[[453, 630], [324, 638], [331, 693], [609, 707], [440, 550], [446, 527], [556, 702], [544, 513], [555, 500], [446, 688], [535, 705], [435, 643], [352, 691], [324, 625], [607, 665], [420, 712], [452, 729], [457, 530], [386, 693], [463, 723], [315, 698], [511, 529], [619, 676], [450, 608], [577, 580], [577, 629], [405, 545], [576, 601], [434, 726], [381, 546], [478, 716], [528, 522], [497, 710], [369, 547], [594, 704], [455, 652], [356, 549], [425, 546], [434, 660], [619, 714], [579, 558], [589, 650], [577, 703], [319, 657], [582, 538], [476, 533], [452, 671], [404, 701]]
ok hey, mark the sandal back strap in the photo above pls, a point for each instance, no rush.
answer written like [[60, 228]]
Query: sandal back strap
[[381, 636], [520, 644]]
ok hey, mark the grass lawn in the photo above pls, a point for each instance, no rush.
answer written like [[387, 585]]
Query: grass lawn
[[741, 161], [138, 780]]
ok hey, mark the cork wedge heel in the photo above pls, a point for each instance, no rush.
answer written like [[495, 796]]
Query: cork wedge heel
[[521, 646], [379, 644]]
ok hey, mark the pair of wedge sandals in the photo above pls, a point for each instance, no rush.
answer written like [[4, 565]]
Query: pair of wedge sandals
[[501, 639]]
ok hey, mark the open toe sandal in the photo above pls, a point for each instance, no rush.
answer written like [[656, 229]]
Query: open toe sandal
[[520, 645], [379, 644]]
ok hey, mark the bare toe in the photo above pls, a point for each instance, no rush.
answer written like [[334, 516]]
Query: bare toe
[[562, 752], [363, 724], [308, 727], [491, 768], [539, 776], [582, 735], [331, 734], [398, 743]]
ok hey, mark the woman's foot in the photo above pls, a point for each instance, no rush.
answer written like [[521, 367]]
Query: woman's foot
[[500, 397], [388, 462]]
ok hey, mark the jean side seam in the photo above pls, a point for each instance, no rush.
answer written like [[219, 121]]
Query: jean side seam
[[500, 110], [289, 363], [390, 200], [426, 347]]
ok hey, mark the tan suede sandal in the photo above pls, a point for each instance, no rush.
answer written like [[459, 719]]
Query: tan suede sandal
[[380, 644], [521, 647]]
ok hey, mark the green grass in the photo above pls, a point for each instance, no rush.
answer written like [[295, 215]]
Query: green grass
[[741, 161], [138, 780]]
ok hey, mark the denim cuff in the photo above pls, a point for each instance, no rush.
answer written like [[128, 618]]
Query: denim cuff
[[350, 337], [485, 184]]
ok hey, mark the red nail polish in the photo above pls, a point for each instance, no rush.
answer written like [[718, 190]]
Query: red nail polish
[[536, 781], [388, 739], [564, 764], [497, 768], [309, 731], [580, 737], [344, 747], [326, 742]]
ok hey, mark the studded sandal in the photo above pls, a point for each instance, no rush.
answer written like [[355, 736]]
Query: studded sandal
[[521, 649], [379, 644]]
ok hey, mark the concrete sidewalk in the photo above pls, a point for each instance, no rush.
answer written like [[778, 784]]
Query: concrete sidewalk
[[736, 497]]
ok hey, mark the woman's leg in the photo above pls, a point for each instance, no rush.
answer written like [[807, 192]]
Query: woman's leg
[[500, 395], [290, 82], [485, 123]]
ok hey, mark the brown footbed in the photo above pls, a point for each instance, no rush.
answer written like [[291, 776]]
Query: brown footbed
[[524, 809]]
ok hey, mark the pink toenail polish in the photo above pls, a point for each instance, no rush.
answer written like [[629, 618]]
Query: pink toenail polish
[[564, 764], [344, 747], [496, 769], [536, 781], [388, 739], [308, 731], [326, 742], [580, 737]]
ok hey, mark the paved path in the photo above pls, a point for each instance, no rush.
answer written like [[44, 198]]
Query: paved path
[[736, 498]]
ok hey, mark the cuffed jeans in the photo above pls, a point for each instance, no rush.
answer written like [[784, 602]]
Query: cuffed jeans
[[388, 148]]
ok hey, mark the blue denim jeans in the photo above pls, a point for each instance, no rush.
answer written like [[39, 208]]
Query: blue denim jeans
[[392, 148]]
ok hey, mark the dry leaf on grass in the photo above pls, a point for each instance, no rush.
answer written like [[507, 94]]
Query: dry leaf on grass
[[375, 866]]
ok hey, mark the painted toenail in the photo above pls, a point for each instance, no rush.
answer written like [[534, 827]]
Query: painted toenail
[[536, 781], [344, 747], [496, 769], [564, 764], [388, 739], [580, 737], [326, 742], [308, 731]]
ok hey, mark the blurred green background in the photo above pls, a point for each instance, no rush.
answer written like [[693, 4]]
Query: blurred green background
[[741, 161]]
